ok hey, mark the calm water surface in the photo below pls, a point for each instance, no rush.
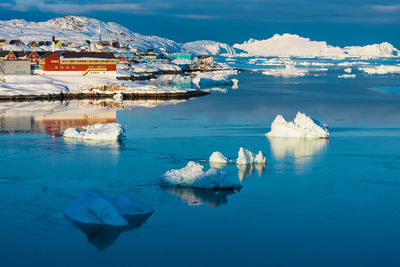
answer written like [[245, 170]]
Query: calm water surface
[[316, 203]]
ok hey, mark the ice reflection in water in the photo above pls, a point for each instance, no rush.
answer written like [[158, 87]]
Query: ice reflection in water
[[196, 197], [245, 170], [103, 236]]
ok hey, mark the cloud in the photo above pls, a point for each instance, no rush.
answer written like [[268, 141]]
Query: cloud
[[63, 8]]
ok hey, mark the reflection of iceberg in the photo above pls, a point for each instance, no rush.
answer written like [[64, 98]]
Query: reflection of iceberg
[[302, 149], [89, 142], [196, 197], [245, 170], [103, 236], [260, 168], [217, 165]]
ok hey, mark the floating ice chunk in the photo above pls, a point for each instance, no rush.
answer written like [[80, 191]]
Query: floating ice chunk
[[218, 157], [213, 78], [98, 131], [303, 126], [382, 69], [193, 176], [235, 83], [260, 158], [288, 71], [346, 76], [94, 207], [128, 206], [245, 157], [348, 70]]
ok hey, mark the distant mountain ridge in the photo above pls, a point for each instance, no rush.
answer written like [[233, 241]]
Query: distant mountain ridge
[[78, 29]]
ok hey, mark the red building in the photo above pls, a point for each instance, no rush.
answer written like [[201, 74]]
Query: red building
[[82, 63], [33, 56]]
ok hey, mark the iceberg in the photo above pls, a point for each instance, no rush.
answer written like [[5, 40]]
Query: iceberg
[[98, 131], [260, 158], [382, 69], [218, 157], [288, 71], [302, 126], [292, 45], [214, 78], [346, 76], [193, 176], [94, 207], [208, 48], [245, 157]]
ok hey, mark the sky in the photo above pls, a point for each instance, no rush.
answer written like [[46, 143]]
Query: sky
[[339, 22]]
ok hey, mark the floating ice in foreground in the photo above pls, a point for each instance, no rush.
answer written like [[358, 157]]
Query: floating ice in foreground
[[382, 69], [348, 70], [245, 157], [94, 207], [288, 71], [98, 131], [302, 126], [193, 176]]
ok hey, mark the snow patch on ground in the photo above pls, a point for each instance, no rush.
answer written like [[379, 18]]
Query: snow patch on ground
[[302, 126]]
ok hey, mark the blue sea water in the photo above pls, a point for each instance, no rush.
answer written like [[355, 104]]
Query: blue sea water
[[316, 203]]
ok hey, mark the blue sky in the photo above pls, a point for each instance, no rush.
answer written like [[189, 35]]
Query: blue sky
[[339, 22]]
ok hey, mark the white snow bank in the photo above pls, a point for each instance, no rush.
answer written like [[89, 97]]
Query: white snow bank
[[98, 131], [94, 207], [193, 176], [288, 71], [292, 45], [218, 157], [302, 126], [382, 69], [346, 76], [245, 157]]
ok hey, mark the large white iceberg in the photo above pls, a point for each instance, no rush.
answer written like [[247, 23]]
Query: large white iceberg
[[292, 45], [94, 207], [98, 131], [302, 126], [194, 176]]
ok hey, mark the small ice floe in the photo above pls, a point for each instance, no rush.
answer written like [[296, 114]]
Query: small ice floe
[[98, 131], [302, 126], [213, 78], [194, 176], [218, 160], [382, 69], [245, 157], [288, 71], [346, 76], [347, 70], [94, 207], [260, 158]]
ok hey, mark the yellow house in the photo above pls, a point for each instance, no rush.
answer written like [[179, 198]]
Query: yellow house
[[58, 43], [3, 42]]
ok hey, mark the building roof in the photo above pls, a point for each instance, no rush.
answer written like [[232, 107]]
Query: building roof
[[107, 55]]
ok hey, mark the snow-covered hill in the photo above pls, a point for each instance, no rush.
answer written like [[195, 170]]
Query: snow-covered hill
[[78, 29], [291, 45]]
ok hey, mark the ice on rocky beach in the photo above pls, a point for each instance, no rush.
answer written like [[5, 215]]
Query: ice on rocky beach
[[194, 176], [94, 207], [302, 126], [98, 131], [245, 156]]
